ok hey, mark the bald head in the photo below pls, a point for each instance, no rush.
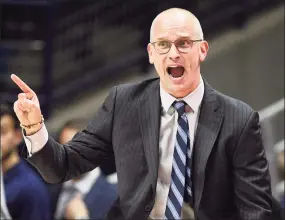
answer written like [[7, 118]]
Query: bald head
[[177, 16]]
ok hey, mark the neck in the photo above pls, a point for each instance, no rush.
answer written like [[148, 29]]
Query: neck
[[10, 162], [183, 93]]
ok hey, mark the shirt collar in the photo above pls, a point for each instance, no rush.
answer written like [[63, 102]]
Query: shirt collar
[[193, 99], [84, 184]]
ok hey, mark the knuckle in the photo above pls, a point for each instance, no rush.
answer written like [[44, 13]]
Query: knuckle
[[16, 104]]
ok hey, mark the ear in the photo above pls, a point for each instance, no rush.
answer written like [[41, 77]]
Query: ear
[[204, 50], [150, 53]]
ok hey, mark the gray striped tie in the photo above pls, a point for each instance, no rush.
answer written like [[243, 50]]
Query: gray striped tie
[[180, 189]]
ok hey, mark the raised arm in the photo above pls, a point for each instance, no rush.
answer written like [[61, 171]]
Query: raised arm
[[87, 150]]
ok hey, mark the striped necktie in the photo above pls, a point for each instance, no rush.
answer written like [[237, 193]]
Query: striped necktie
[[180, 189]]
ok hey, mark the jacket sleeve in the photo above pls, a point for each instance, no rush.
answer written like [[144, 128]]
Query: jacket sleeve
[[87, 150], [251, 175]]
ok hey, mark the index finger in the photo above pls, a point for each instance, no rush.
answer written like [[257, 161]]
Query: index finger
[[23, 86]]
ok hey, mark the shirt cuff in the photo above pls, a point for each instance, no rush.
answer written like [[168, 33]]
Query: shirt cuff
[[112, 178], [36, 141]]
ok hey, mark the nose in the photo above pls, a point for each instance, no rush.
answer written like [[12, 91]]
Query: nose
[[174, 54]]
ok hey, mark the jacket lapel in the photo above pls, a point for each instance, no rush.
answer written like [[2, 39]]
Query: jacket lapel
[[209, 124], [150, 115]]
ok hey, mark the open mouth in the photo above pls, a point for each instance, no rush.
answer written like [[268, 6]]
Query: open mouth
[[176, 71]]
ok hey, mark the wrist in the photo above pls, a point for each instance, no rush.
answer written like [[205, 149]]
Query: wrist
[[33, 130], [81, 216]]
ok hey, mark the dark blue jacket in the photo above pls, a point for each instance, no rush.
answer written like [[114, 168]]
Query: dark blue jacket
[[98, 200], [26, 194]]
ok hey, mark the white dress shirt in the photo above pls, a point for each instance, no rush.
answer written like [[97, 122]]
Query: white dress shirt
[[72, 187], [82, 185], [168, 130]]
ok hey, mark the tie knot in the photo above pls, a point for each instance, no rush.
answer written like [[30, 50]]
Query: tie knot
[[180, 107]]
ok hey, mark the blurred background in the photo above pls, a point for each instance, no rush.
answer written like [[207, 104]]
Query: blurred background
[[72, 52]]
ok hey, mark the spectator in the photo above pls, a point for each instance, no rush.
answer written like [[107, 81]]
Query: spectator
[[89, 196], [26, 195], [4, 210]]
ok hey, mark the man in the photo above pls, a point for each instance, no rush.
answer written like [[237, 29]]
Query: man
[[26, 195], [88, 197], [175, 140]]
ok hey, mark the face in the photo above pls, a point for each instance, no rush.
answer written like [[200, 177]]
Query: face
[[179, 72], [67, 134], [10, 137]]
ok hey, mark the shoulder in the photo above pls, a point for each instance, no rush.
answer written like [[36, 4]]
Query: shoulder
[[234, 106], [32, 186], [102, 189], [236, 113], [137, 88], [131, 93], [234, 110], [103, 182]]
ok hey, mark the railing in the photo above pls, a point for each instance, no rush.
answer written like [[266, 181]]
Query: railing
[[272, 120]]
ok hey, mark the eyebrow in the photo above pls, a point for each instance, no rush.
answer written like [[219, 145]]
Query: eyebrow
[[179, 38], [162, 38], [179, 35]]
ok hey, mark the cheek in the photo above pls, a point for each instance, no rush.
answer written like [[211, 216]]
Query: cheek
[[192, 60], [159, 65]]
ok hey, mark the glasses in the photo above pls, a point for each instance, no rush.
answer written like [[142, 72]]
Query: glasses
[[182, 45]]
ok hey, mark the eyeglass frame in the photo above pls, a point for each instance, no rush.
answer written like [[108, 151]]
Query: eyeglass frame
[[173, 42]]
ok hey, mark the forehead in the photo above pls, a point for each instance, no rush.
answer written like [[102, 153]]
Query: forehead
[[173, 27], [7, 121], [172, 35]]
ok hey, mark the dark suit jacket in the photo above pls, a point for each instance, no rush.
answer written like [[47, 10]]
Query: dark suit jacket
[[229, 172], [98, 200]]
